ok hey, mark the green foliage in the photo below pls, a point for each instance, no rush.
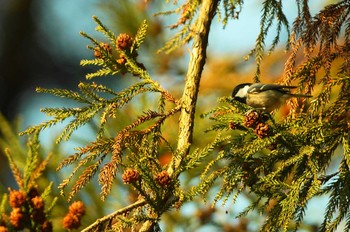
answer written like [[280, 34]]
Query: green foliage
[[29, 208], [93, 96], [138, 145], [291, 165], [272, 11], [106, 53], [188, 17], [288, 166], [231, 10], [33, 169], [281, 164]]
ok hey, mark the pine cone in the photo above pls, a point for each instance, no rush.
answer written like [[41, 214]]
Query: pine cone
[[124, 42], [71, 221], [73, 218], [106, 47], [163, 178], [97, 52], [17, 218], [130, 176], [262, 130], [17, 198], [38, 202], [252, 119], [77, 208], [121, 60]]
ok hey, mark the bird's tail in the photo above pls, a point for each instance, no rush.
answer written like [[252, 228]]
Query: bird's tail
[[300, 95]]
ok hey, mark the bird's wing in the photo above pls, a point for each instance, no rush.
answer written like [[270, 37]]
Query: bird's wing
[[259, 87]]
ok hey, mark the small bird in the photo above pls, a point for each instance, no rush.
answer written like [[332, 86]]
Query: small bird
[[266, 97]]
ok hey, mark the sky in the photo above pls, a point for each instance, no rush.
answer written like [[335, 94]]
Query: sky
[[239, 35]]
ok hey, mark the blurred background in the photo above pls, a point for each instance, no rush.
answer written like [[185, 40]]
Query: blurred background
[[40, 45]]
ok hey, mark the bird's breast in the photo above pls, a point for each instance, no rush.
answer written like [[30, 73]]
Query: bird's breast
[[267, 100]]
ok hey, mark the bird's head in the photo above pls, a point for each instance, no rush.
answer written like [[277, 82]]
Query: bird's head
[[240, 92]]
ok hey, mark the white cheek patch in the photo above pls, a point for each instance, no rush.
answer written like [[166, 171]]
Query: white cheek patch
[[243, 92]]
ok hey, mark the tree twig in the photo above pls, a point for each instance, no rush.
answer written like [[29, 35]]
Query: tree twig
[[126, 209]]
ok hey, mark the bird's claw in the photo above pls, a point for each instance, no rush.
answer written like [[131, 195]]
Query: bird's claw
[[264, 116]]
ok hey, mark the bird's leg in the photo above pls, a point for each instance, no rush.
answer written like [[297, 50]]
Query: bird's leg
[[250, 111], [267, 116], [257, 111], [260, 112]]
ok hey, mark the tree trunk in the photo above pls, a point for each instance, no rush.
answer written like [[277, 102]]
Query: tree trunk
[[200, 32], [189, 98]]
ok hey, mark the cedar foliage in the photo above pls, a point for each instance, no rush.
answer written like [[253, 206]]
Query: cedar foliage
[[27, 208], [282, 164]]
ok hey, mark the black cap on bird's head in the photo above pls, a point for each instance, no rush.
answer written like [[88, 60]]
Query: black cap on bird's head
[[240, 92]]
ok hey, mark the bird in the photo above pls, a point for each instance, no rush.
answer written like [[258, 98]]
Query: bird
[[265, 97]]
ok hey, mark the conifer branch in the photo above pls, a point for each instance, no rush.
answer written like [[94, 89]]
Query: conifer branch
[[27, 199], [282, 164], [111, 216], [15, 170], [40, 168], [272, 9]]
